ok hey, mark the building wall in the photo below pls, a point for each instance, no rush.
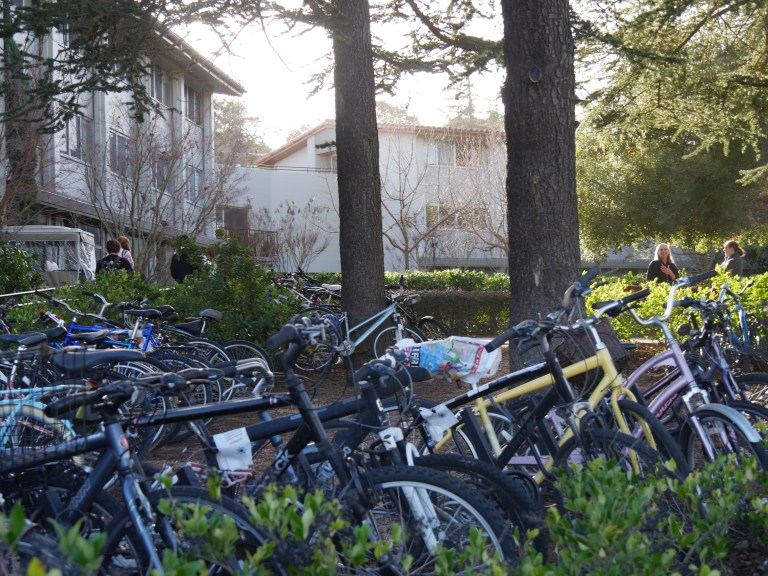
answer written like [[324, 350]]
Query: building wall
[[411, 176]]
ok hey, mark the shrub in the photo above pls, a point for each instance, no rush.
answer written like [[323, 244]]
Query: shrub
[[17, 270]]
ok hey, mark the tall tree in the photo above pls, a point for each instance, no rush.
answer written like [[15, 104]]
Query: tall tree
[[539, 120], [357, 142], [237, 133]]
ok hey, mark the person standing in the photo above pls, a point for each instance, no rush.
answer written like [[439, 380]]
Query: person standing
[[125, 250], [733, 263], [181, 264], [113, 260], [662, 268]]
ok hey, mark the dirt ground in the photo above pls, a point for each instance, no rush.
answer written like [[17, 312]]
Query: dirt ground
[[748, 558]]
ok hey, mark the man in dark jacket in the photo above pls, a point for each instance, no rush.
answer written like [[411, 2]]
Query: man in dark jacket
[[113, 261]]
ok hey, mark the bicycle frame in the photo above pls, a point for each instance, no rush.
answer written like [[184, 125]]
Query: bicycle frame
[[347, 346]]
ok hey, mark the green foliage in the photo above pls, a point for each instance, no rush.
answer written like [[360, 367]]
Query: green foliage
[[653, 305], [672, 142], [653, 525], [235, 285], [17, 271], [641, 187]]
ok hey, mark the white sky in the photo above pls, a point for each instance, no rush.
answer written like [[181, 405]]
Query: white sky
[[276, 71]]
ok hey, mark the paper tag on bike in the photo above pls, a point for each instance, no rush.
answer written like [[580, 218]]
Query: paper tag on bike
[[438, 420], [234, 449]]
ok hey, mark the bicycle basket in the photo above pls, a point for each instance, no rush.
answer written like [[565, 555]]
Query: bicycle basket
[[577, 345]]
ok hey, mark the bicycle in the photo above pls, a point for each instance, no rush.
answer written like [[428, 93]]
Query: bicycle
[[391, 495], [429, 327], [132, 536], [619, 410], [344, 339]]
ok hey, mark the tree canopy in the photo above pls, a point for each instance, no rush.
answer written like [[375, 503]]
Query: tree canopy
[[673, 138]]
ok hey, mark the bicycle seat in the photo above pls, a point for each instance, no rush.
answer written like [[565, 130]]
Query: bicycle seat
[[90, 337], [332, 287], [211, 314], [74, 360], [50, 335], [148, 313], [195, 327]]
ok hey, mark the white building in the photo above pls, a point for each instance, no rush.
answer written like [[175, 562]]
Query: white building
[[442, 194], [146, 180]]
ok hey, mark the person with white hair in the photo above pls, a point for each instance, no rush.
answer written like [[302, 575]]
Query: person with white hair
[[662, 268]]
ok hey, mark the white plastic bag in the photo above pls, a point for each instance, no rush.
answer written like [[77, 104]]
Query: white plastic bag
[[458, 357]]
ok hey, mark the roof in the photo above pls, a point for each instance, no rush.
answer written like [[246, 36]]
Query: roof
[[186, 57], [41, 233], [299, 142]]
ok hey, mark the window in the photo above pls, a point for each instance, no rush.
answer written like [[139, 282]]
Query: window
[[78, 135], [194, 183], [192, 104], [441, 154], [120, 160], [161, 173], [159, 85]]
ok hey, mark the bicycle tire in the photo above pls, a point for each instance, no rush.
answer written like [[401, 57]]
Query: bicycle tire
[[207, 349], [509, 494], [30, 428], [460, 509], [755, 414], [120, 526], [755, 385], [728, 437], [388, 337], [631, 453], [433, 329], [316, 360], [661, 440], [243, 349]]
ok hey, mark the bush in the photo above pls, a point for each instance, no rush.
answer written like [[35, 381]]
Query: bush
[[17, 270], [237, 286]]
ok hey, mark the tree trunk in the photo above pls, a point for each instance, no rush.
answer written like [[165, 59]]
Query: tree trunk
[[539, 103], [357, 144]]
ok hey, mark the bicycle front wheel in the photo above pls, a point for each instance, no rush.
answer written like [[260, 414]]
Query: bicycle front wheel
[[631, 453], [429, 508], [713, 433], [390, 336], [184, 503]]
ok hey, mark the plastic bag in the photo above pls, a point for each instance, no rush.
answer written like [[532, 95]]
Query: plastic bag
[[458, 357]]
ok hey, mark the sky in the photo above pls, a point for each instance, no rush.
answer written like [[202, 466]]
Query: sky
[[276, 70]]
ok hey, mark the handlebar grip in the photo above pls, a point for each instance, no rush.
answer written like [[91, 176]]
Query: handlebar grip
[[586, 278], [44, 295], [686, 302], [635, 296], [691, 280], [91, 294], [287, 334], [68, 404], [500, 339]]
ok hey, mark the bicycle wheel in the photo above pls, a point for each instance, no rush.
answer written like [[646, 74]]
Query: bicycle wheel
[[632, 454], [316, 360], [511, 495], [722, 435], [755, 414], [755, 385], [432, 329], [190, 543], [25, 427], [644, 425], [390, 336], [431, 508], [206, 349], [243, 350]]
